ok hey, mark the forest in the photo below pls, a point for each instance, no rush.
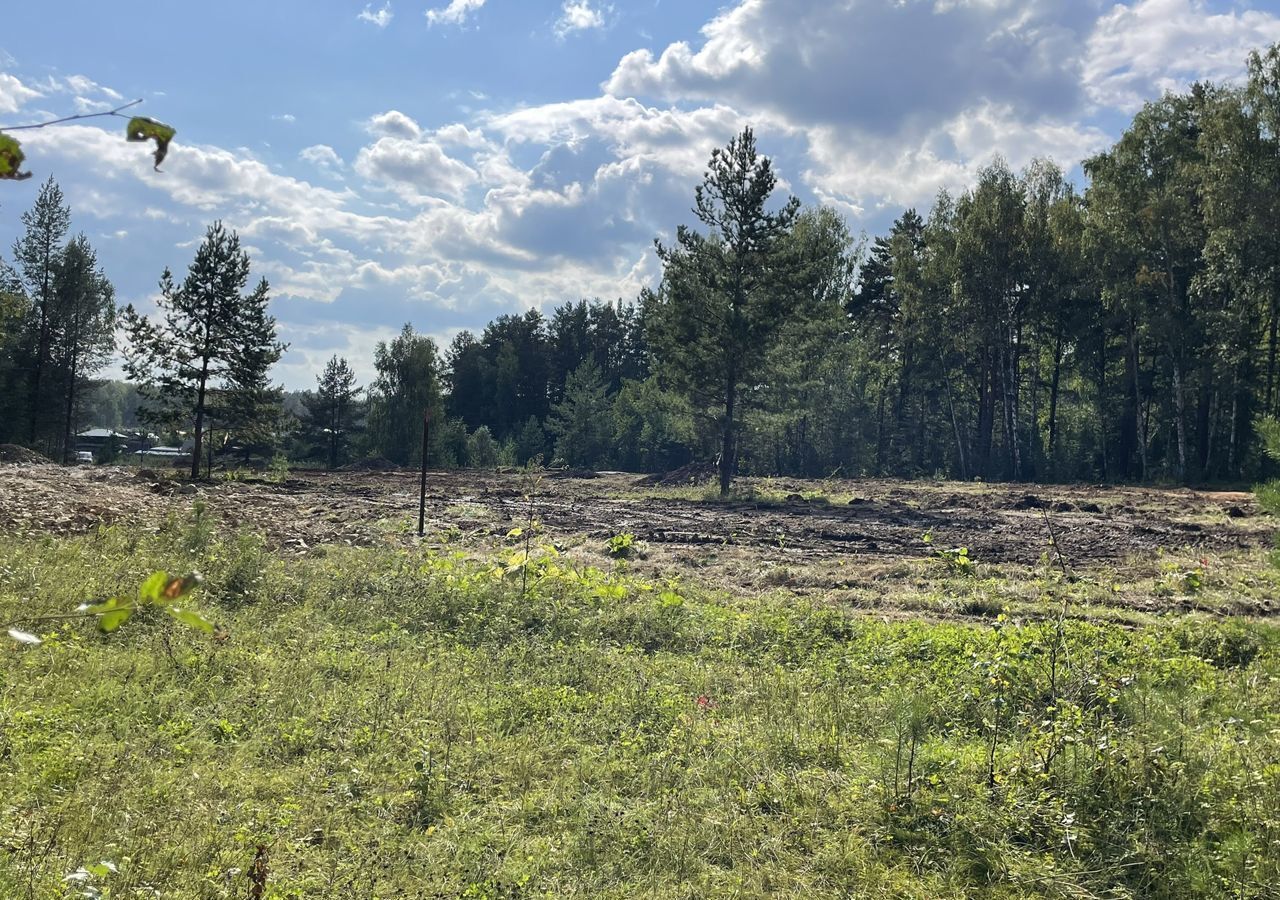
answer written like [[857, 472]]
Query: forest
[[1026, 329]]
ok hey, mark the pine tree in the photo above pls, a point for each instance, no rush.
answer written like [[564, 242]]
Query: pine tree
[[332, 410], [582, 421], [84, 336], [207, 338], [37, 253], [15, 310], [723, 293], [531, 442]]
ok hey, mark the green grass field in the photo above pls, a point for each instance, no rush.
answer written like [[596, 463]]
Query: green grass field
[[407, 723]]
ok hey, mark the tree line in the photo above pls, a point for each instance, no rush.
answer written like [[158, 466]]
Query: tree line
[[1024, 330]]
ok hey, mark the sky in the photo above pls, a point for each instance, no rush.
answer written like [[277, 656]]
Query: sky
[[442, 162]]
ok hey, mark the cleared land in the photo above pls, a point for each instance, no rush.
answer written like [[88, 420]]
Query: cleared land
[[811, 537], [790, 694]]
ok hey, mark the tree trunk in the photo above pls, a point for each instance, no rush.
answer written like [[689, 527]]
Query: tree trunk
[[42, 345], [986, 416], [955, 426], [1054, 383], [1267, 406], [1139, 420], [199, 434], [1179, 415], [728, 438], [67, 442], [880, 430]]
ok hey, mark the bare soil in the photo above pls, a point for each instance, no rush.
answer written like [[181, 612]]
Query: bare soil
[[868, 519]]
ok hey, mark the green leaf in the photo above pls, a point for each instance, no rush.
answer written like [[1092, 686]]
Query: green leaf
[[23, 637], [11, 157], [143, 129], [152, 590], [192, 618], [114, 619]]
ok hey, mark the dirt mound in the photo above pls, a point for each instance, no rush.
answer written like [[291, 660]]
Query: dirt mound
[[372, 464], [693, 473], [12, 453]]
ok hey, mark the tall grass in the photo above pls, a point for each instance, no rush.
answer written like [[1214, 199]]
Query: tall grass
[[380, 723]]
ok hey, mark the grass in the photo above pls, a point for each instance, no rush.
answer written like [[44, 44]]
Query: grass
[[386, 723]]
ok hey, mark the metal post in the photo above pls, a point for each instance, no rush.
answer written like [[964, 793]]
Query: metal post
[[422, 490]]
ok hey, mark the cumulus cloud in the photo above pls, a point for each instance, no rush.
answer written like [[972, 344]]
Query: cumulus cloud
[[418, 170], [381, 18], [394, 123], [1137, 52], [578, 15], [14, 94], [456, 13], [322, 156]]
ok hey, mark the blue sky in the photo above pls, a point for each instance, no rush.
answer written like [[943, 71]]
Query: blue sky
[[444, 161]]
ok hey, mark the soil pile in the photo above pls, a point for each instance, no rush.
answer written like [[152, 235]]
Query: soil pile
[[12, 453]]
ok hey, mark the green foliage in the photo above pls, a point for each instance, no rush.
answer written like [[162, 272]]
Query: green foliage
[[724, 293], [159, 590], [11, 157], [333, 411], [621, 546], [581, 421], [482, 449], [693, 743], [406, 389], [204, 358], [142, 129], [957, 560]]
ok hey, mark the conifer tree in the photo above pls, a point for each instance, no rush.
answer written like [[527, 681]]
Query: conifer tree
[[84, 336], [36, 254], [332, 410], [723, 292], [207, 337], [582, 422]]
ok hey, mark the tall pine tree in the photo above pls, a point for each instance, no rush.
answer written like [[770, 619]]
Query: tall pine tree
[[723, 292], [207, 336]]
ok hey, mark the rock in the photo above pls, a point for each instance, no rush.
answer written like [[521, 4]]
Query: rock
[[188, 489]]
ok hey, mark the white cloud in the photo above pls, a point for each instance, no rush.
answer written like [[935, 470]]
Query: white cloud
[[417, 170], [322, 156], [287, 118], [578, 15], [14, 94], [394, 123], [1137, 52], [456, 13], [381, 18]]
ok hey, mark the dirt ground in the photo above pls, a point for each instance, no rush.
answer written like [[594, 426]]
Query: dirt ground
[[796, 525]]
